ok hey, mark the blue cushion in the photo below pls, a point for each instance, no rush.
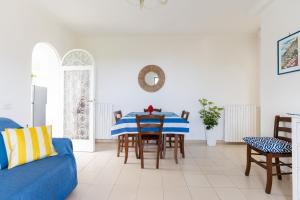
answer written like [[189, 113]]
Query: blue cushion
[[5, 123], [46, 179], [269, 144]]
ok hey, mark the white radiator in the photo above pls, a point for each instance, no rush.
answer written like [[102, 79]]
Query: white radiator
[[104, 120], [240, 121]]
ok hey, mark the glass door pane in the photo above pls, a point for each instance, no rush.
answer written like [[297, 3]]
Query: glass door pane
[[76, 104]]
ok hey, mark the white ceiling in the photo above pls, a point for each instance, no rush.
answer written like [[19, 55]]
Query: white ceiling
[[177, 17]]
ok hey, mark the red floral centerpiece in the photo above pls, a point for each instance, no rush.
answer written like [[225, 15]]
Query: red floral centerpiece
[[150, 109]]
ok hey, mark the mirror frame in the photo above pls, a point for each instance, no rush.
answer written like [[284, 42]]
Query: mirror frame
[[151, 68]]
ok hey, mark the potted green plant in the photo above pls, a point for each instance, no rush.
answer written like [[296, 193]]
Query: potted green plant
[[210, 115]]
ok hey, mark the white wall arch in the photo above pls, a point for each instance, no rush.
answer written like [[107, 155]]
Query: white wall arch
[[46, 72], [45, 60]]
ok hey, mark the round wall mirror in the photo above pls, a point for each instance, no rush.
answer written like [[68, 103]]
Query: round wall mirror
[[151, 78]]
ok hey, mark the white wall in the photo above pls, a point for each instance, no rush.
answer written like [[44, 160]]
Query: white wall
[[221, 68], [279, 94], [22, 26]]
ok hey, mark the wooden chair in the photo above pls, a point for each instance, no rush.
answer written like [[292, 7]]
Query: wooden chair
[[171, 138], [155, 109], [271, 147], [121, 138], [145, 134], [118, 115]]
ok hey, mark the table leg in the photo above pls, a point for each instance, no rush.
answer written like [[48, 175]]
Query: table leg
[[176, 148], [126, 147]]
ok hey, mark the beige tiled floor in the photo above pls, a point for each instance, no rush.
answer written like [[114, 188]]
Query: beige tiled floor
[[212, 173]]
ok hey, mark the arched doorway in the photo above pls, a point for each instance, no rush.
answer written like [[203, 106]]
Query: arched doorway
[[79, 99], [46, 79]]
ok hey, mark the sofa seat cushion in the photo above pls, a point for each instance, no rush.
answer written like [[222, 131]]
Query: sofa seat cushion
[[45, 179], [269, 144]]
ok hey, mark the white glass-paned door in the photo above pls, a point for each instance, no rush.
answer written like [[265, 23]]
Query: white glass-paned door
[[79, 107]]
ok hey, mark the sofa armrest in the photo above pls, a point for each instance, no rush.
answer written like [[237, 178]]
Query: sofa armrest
[[63, 146]]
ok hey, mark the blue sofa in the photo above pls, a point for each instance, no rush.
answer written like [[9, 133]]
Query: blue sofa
[[52, 178]]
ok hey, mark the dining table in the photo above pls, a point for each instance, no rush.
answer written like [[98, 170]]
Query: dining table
[[173, 124]]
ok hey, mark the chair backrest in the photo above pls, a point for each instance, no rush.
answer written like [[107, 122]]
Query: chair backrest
[[280, 126], [185, 115], [150, 124], [155, 109], [118, 115]]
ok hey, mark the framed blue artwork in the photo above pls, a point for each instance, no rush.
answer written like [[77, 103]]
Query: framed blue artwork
[[288, 54]]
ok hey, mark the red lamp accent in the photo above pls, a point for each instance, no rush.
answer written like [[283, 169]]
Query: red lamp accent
[[150, 109]]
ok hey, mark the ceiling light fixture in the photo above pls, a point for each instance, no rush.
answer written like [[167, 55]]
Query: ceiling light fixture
[[145, 3]]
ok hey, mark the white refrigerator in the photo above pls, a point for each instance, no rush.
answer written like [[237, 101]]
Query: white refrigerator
[[38, 107]]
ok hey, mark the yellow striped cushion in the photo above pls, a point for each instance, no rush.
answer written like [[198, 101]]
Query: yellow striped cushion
[[28, 144]]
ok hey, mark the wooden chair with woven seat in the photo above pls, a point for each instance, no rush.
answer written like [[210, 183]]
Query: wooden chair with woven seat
[[171, 138], [271, 147], [155, 110], [150, 131], [121, 138]]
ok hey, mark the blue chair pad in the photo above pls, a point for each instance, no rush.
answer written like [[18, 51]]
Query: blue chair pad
[[269, 144]]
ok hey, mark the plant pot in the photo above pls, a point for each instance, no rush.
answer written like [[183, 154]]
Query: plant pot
[[210, 138]]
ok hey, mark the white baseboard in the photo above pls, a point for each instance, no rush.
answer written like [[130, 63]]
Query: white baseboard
[[187, 141]]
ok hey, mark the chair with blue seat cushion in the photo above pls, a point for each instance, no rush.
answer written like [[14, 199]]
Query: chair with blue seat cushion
[[271, 147], [269, 144]]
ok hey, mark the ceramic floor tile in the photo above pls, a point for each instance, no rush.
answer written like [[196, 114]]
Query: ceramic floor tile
[[219, 181], [150, 193], [215, 173], [255, 194], [199, 193], [177, 193], [97, 192], [131, 178], [171, 179], [79, 192], [151, 178], [250, 182], [230, 194], [123, 192], [194, 179]]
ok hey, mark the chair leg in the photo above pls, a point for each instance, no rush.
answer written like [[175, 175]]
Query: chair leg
[[278, 170], [161, 150], [269, 174], [141, 145], [126, 148], [176, 148], [122, 143], [132, 141], [136, 147], [158, 152], [119, 145], [182, 146], [164, 146], [248, 165], [170, 141]]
